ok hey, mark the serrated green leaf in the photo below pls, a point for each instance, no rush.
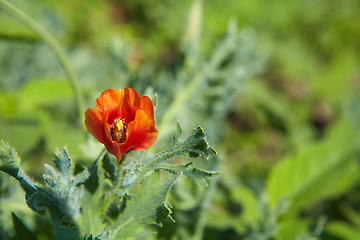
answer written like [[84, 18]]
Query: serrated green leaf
[[9, 160], [196, 175], [164, 212], [60, 195], [81, 177], [193, 146], [63, 186], [143, 209], [91, 218], [64, 164]]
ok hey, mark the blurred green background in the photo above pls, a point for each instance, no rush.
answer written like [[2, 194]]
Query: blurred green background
[[278, 95]]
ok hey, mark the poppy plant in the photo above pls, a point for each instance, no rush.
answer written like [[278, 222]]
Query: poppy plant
[[123, 121]]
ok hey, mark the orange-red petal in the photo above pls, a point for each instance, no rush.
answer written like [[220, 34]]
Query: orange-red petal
[[130, 104], [94, 124], [114, 148], [109, 99], [137, 112], [131, 97], [147, 105], [141, 133]]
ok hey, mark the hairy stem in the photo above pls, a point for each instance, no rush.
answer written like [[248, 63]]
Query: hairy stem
[[195, 80], [54, 47], [202, 218], [207, 199]]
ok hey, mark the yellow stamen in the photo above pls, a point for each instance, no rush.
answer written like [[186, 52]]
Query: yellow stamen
[[119, 123], [118, 130]]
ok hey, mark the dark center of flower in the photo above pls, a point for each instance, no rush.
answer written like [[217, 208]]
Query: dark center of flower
[[118, 130]]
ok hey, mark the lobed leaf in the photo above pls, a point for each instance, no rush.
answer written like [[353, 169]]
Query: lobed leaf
[[194, 146], [60, 195], [64, 164], [91, 218], [143, 209], [9, 160], [196, 175], [64, 185]]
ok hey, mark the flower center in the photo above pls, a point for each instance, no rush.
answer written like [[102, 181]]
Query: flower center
[[118, 130]]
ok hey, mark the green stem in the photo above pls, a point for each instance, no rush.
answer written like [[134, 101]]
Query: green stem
[[193, 84], [54, 47], [204, 207], [101, 154], [180, 99], [203, 212]]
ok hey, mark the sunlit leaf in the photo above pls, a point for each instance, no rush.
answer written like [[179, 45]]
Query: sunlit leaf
[[322, 170], [43, 92]]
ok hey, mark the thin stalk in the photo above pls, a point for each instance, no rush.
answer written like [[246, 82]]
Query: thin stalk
[[180, 99], [193, 84], [101, 154], [202, 218], [54, 47]]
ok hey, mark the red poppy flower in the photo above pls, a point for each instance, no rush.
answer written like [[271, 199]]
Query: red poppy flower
[[123, 121]]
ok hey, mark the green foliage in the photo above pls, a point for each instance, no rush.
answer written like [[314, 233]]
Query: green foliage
[[43, 92], [144, 208], [318, 171], [59, 195], [141, 209], [38, 116], [288, 153], [194, 146], [10, 29], [64, 184], [76, 211], [10, 161], [196, 175], [205, 86], [343, 230]]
